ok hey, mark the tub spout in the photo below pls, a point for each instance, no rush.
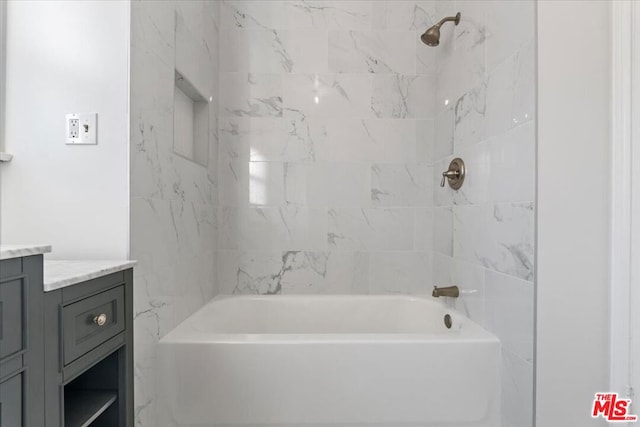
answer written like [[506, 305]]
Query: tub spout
[[447, 291]]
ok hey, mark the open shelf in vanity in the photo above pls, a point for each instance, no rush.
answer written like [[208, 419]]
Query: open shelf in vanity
[[91, 399]]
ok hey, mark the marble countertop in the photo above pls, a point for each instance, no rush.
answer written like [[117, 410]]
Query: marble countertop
[[17, 251], [61, 273]]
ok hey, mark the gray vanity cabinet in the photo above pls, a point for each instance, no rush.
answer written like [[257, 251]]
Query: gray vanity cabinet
[[21, 342], [89, 379], [66, 356]]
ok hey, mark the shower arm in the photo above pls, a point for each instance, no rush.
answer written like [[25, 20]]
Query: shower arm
[[455, 19]]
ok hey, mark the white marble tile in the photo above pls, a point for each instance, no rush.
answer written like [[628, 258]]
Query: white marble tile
[[246, 184], [193, 15], [151, 129], [152, 56], [329, 14], [400, 273], [500, 237], [403, 96], [443, 269], [424, 229], [443, 134], [510, 25], [372, 52], [255, 50], [304, 136], [250, 95], [469, 111], [370, 140], [444, 8], [325, 184], [470, 239], [512, 169], [426, 140], [273, 51], [195, 227], [192, 58], [511, 91], [260, 139], [509, 312], [172, 240], [153, 243], [390, 140], [152, 31], [511, 228], [371, 229], [409, 184], [517, 391], [347, 140], [460, 57], [443, 230], [253, 14], [328, 95], [293, 272], [524, 90], [403, 15], [425, 59], [470, 278], [189, 181], [264, 229]]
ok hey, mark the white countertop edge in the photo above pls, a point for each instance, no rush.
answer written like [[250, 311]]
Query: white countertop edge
[[62, 273], [19, 251]]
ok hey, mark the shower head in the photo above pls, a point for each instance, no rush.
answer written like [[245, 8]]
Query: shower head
[[431, 37]]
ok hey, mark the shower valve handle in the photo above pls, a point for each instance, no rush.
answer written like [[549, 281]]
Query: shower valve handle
[[449, 174], [455, 174]]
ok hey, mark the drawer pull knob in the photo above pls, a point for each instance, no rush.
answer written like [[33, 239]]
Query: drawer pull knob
[[100, 319]]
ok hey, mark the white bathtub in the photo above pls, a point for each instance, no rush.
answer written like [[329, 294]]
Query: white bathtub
[[329, 361]]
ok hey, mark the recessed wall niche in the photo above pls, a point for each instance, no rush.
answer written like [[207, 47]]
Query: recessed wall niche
[[191, 99], [190, 121]]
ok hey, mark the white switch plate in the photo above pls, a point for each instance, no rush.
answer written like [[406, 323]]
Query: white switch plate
[[82, 128]]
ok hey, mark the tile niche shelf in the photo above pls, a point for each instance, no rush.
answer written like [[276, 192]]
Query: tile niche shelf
[[190, 121]]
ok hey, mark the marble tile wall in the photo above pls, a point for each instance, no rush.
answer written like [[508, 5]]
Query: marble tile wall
[[173, 200], [484, 233], [326, 147]]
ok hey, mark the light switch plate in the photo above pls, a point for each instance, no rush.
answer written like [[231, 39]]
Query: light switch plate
[[82, 129]]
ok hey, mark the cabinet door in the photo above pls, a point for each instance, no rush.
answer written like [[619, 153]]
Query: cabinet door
[[11, 315], [11, 402]]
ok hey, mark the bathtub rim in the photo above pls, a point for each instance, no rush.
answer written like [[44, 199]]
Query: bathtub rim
[[468, 331]]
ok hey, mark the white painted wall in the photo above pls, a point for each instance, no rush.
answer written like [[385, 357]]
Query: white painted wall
[[65, 57], [573, 202]]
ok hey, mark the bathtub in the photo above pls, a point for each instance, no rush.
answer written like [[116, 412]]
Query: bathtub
[[384, 361]]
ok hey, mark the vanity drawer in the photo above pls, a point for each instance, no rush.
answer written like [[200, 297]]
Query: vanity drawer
[[88, 323], [11, 317]]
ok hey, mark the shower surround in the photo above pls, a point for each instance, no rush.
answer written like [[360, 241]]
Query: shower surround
[[326, 136], [336, 123]]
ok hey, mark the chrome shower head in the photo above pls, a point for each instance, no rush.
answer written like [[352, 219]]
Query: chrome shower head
[[431, 37]]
